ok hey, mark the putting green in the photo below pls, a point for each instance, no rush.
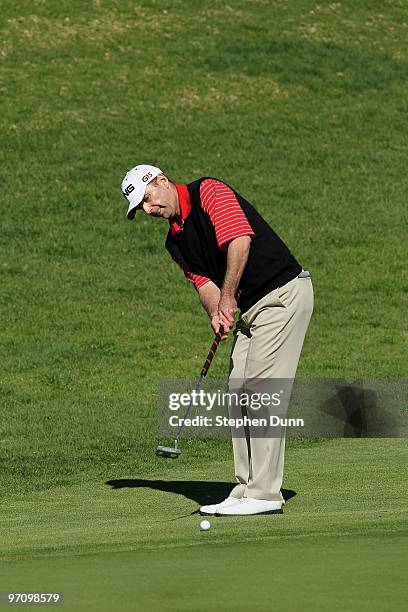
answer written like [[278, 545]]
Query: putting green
[[326, 573]]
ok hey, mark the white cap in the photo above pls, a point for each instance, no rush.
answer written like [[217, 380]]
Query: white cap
[[134, 186]]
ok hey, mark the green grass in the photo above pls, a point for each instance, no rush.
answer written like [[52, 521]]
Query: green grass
[[301, 107], [340, 543], [170, 579]]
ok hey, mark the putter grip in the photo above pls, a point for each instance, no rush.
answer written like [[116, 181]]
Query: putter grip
[[212, 351]]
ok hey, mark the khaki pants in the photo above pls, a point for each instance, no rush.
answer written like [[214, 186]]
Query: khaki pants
[[268, 341]]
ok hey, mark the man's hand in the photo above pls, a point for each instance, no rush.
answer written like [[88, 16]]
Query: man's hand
[[215, 324], [227, 307]]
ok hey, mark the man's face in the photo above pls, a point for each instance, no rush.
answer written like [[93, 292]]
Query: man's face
[[161, 199]]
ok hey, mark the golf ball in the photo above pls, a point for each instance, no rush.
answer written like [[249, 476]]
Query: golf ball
[[204, 525]]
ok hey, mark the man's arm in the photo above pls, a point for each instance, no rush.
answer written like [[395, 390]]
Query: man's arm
[[221, 305], [233, 233], [237, 257]]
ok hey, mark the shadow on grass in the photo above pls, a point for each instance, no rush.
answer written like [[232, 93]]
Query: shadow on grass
[[200, 491]]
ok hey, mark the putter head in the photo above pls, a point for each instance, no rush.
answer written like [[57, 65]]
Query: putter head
[[169, 452]]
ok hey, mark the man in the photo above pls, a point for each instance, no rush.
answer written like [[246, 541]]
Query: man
[[236, 261]]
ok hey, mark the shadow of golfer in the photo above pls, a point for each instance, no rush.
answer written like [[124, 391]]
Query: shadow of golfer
[[200, 491], [361, 410]]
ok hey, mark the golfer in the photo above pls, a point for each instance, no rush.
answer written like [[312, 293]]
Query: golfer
[[236, 262]]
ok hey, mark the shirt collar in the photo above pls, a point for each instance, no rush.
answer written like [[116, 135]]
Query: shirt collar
[[176, 224]]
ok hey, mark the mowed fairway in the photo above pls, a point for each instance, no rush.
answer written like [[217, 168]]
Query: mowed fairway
[[302, 108]]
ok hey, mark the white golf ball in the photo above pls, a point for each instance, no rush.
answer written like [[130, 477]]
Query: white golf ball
[[204, 525]]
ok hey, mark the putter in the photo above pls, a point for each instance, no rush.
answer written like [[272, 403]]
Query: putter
[[172, 452]]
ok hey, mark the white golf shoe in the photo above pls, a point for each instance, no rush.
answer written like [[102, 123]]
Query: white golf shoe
[[213, 509], [249, 505]]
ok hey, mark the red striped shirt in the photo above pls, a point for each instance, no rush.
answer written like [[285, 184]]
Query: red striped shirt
[[223, 208]]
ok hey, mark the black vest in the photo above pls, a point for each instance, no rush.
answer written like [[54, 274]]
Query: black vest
[[270, 263]]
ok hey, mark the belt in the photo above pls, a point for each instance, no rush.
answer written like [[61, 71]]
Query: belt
[[304, 274]]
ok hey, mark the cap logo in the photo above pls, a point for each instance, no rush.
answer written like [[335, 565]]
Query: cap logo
[[128, 190], [147, 177]]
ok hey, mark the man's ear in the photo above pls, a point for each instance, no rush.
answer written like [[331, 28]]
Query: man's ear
[[162, 180]]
